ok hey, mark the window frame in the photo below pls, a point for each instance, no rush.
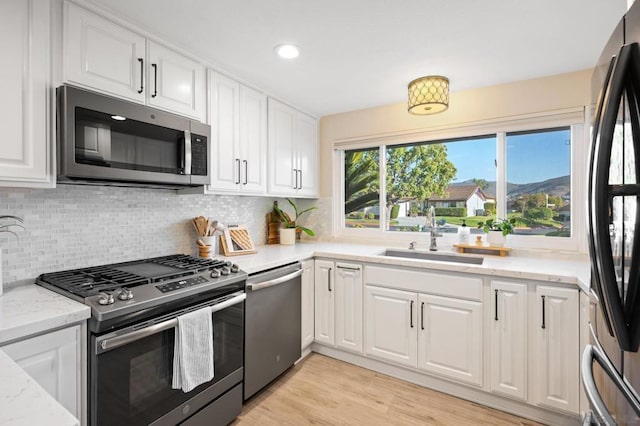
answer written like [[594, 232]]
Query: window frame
[[576, 118]]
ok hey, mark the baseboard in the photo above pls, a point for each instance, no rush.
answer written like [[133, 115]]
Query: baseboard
[[460, 391]]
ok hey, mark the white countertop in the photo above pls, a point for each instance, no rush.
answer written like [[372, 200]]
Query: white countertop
[[25, 311], [31, 309], [541, 269], [23, 402]]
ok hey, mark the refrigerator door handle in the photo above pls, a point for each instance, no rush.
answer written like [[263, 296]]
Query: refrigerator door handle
[[593, 353], [600, 195]]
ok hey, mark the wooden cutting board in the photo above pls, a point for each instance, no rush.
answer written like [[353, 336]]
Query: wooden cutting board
[[236, 241]]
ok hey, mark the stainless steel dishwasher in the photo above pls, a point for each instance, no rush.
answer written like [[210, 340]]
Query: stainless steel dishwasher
[[272, 325]]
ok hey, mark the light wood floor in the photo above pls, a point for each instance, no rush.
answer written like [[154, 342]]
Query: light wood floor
[[324, 391]]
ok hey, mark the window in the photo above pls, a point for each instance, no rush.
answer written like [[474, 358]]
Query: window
[[520, 175], [538, 165], [444, 174], [362, 188]]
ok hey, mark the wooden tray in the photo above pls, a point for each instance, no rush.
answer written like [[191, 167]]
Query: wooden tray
[[236, 241], [493, 250]]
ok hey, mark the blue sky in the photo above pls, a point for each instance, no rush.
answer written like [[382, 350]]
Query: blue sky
[[530, 157]]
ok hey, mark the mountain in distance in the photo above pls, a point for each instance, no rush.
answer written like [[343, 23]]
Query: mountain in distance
[[560, 186]]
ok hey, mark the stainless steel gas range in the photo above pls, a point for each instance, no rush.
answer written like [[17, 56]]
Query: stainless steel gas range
[[134, 306]]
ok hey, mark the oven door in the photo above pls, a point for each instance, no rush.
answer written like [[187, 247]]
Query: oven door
[[132, 369]]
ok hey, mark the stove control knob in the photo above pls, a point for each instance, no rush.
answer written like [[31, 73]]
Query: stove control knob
[[125, 294], [106, 299], [235, 268], [225, 271], [227, 263], [215, 273]]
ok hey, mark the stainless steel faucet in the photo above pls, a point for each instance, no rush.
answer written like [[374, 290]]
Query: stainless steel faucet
[[434, 229]]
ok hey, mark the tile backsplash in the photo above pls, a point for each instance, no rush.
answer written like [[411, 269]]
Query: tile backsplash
[[76, 226]]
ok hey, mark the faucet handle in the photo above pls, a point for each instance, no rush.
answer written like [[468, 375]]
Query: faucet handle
[[412, 245]]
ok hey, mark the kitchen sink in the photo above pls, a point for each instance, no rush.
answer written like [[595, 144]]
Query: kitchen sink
[[441, 257]]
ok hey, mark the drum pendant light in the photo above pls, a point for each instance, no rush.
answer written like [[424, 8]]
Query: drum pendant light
[[428, 95]]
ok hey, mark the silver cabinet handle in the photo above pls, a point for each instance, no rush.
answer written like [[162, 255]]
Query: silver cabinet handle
[[300, 183], [543, 315], [275, 281], [411, 314], [329, 278], [495, 317], [246, 171], [117, 341], [295, 174], [422, 316], [238, 164]]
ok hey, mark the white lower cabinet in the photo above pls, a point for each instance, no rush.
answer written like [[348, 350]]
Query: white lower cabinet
[[54, 361], [440, 335], [555, 368], [307, 303], [450, 338], [338, 304], [509, 339], [390, 330]]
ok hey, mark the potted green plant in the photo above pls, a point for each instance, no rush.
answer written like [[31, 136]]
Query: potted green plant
[[288, 233], [497, 230]]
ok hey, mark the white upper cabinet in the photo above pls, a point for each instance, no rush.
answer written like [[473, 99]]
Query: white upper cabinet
[[26, 157], [175, 83], [104, 56], [293, 152], [238, 118]]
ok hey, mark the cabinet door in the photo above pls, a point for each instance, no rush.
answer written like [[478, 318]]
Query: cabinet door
[[25, 150], [53, 361], [390, 325], [175, 83], [556, 375], [102, 55], [253, 141], [282, 167], [348, 306], [324, 302], [306, 142], [307, 302], [509, 339], [224, 110], [450, 338]]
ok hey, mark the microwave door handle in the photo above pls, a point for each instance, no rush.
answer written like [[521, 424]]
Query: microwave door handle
[[187, 152], [601, 198], [107, 344]]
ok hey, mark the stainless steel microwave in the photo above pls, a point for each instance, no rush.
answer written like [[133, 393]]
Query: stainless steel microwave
[[103, 140]]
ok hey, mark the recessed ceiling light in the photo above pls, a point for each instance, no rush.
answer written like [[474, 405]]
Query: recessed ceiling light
[[118, 117], [287, 51]]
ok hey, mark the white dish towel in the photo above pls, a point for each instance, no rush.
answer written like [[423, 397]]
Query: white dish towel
[[193, 351]]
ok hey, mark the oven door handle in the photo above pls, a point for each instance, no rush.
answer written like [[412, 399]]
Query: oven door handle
[[109, 343]]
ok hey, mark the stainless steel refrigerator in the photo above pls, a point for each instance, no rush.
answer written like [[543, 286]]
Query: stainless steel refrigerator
[[610, 365]]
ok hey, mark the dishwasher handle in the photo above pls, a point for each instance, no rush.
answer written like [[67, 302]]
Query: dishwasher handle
[[270, 283]]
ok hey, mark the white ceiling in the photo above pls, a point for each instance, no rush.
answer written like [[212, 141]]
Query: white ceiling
[[362, 53]]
